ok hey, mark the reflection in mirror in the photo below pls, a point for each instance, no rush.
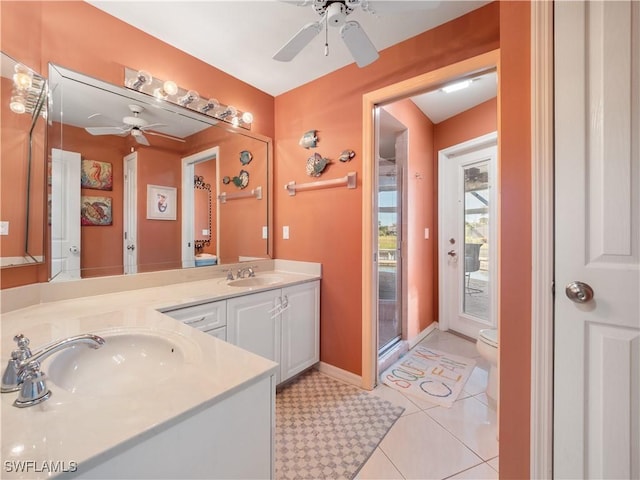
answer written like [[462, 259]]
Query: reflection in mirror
[[109, 147], [22, 135]]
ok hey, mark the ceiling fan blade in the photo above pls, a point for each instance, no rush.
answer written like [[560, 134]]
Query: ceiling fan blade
[[397, 6], [141, 139], [358, 43], [152, 125], [298, 42], [170, 137], [107, 130]]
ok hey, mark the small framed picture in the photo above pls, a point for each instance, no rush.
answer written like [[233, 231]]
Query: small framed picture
[[161, 202]]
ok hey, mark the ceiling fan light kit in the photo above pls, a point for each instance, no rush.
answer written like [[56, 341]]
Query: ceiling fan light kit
[[169, 91]]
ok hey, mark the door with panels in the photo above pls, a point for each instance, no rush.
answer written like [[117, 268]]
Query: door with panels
[[597, 245]]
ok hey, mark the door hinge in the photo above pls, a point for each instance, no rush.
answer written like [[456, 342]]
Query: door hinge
[[553, 289], [125, 235]]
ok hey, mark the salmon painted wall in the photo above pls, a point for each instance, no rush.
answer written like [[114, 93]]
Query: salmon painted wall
[[101, 46], [515, 239], [159, 241], [477, 121], [326, 225], [421, 275]]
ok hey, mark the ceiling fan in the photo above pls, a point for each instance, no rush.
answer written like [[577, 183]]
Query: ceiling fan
[[135, 126], [334, 13]]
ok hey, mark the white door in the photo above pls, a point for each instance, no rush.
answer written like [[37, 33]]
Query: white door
[[597, 169], [300, 328], [130, 237], [65, 215], [468, 233], [253, 323]]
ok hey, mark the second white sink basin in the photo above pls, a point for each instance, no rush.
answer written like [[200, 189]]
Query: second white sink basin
[[258, 281], [127, 361]]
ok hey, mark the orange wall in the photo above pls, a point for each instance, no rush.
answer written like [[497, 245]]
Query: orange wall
[[515, 239], [421, 275], [325, 225], [78, 36]]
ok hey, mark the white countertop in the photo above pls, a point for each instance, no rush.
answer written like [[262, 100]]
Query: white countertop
[[71, 427]]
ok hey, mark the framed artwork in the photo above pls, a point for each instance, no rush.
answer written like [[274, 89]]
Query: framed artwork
[[96, 175], [161, 202], [95, 211]]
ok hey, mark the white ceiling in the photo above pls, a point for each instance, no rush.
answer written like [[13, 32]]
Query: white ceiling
[[240, 36]]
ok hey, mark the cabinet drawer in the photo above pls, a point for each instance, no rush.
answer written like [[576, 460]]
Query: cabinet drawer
[[203, 317]]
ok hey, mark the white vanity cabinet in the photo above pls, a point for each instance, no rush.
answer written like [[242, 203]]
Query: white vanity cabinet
[[209, 317], [282, 325]]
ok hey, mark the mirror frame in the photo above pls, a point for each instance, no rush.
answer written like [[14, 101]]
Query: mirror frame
[[146, 99]]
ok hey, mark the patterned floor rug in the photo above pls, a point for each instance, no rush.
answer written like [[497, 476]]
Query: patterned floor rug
[[326, 429], [430, 374]]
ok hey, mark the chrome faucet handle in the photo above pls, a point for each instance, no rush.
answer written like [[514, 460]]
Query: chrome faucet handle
[[252, 270], [229, 273], [11, 375], [33, 388]]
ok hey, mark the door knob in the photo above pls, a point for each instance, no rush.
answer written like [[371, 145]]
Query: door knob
[[579, 292], [74, 249], [451, 253], [131, 247]]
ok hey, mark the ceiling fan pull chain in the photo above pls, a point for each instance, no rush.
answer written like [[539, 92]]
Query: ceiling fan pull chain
[[326, 37]]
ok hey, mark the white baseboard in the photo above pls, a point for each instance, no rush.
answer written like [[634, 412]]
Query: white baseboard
[[340, 374], [418, 338]]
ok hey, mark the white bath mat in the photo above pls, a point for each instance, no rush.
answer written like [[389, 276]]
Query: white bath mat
[[429, 374]]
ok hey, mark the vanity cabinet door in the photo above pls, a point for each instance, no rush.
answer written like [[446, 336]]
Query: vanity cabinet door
[[300, 328], [253, 324]]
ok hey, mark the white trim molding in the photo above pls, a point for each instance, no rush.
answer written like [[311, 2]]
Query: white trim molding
[[340, 374], [541, 463]]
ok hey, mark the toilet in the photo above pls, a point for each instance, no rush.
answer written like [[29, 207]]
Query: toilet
[[487, 346]]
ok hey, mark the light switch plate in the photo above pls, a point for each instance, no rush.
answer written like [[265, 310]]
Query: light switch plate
[[265, 232], [4, 228], [285, 232], [426, 233]]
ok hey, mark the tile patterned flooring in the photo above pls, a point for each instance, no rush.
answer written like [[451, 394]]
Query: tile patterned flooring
[[433, 442]]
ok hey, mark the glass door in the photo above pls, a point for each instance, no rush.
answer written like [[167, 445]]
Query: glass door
[[389, 253]]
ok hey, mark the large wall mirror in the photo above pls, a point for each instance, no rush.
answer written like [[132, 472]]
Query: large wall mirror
[[123, 192], [22, 143]]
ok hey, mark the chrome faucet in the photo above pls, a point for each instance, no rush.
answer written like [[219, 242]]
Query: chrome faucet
[[23, 370], [246, 270]]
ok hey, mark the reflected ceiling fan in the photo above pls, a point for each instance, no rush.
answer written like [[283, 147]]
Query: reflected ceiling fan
[[135, 126], [334, 13]]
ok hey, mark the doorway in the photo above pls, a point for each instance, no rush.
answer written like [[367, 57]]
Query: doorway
[[430, 81], [189, 223], [130, 214], [467, 217]]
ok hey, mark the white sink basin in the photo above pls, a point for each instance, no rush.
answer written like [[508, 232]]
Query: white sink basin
[[257, 281], [126, 362]]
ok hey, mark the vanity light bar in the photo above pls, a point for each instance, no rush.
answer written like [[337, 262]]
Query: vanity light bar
[[169, 91], [28, 88]]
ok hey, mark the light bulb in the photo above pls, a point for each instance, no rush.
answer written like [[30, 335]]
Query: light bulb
[[17, 104], [23, 80], [170, 87], [142, 78], [235, 121], [247, 117], [211, 104], [190, 97], [228, 112]]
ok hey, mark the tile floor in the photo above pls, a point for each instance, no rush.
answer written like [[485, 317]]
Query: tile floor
[[433, 442]]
